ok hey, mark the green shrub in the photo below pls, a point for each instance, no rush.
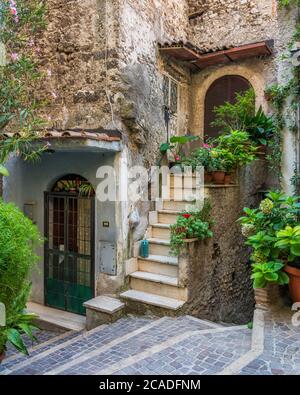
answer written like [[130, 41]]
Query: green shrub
[[189, 225], [272, 231], [18, 241]]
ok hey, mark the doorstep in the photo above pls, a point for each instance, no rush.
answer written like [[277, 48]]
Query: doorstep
[[51, 319]]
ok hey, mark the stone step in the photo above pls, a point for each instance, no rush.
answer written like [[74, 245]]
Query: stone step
[[102, 310], [155, 277], [167, 216], [181, 195], [152, 299], [161, 231], [188, 182], [177, 205], [50, 318], [158, 285], [164, 265], [159, 246]]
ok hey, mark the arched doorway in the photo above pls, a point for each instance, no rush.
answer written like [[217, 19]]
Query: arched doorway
[[70, 244], [222, 90]]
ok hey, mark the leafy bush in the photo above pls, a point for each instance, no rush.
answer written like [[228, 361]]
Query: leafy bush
[[190, 225], [272, 230], [18, 240], [19, 78], [241, 116], [226, 152], [200, 157], [288, 240], [269, 272]]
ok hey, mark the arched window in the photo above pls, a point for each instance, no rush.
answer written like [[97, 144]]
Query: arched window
[[222, 90]]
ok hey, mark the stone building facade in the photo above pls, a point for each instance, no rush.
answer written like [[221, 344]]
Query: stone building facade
[[105, 74]]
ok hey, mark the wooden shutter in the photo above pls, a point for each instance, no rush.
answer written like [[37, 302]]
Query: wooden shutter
[[222, 90]]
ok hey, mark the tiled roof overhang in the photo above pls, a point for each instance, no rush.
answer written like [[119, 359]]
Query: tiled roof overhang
[[197, 59], [76, 134], [76, 140]]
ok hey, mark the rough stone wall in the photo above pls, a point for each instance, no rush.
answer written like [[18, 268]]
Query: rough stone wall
[[233, 22], [143, 25], [218, 275], [80, 61]]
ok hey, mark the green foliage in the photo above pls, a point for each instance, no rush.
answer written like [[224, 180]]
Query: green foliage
[[287, 3], [19, 77], [18, 240], [189, 225], [233, 116], [268, 230], [234, 148], [175, 146], [269, 272], [199, 157], [288, 240], [224, 153]]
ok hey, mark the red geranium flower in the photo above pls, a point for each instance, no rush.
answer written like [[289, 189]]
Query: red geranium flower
[[186, 215]]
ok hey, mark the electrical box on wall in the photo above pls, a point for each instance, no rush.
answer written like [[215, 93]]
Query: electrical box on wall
[[107, 253], [30, 211]]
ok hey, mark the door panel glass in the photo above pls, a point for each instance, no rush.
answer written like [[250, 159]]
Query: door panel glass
[[68, 265]]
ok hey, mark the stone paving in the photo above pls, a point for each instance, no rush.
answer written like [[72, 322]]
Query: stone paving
[[183, 345], [281, 355]]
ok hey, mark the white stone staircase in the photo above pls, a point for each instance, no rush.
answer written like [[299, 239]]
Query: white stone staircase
[[155, 280]]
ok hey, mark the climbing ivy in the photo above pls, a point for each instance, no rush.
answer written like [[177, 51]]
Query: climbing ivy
[[287, 3], [20, 22], [285, 99]]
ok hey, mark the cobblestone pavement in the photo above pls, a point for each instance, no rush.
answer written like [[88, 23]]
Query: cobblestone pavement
[[281, 353], [183, 345]]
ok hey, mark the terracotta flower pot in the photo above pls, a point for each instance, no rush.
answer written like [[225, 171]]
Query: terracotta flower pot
[[208, 177], [267, 297], [262, 150], [2, 356], [219, 177], [227, 179], [294, 284]]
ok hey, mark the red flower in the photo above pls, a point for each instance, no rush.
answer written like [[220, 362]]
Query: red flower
[[186, 215]]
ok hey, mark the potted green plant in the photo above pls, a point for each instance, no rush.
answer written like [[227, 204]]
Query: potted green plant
[[191, 226], [261, 227], [288, 241], [201, 157], [174, 148], [241, 115]]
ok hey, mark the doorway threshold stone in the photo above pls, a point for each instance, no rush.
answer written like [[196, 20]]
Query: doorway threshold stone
[[49, 318]]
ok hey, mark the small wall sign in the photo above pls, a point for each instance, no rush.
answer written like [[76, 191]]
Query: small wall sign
[[105, 224]]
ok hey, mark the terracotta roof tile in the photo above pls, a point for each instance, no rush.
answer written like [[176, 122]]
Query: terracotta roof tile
[[198, 58], [106, 135]]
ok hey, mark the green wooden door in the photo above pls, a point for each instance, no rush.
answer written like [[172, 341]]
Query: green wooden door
[[69, 251]]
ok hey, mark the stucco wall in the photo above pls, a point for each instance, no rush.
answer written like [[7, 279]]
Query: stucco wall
[[28, 182]]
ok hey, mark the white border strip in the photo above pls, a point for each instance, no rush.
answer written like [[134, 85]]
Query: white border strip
[[160, 347], [257, 346], [43, 354], [94, 353]]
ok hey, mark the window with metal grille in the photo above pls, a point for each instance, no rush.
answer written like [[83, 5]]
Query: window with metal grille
[[170, 89]]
